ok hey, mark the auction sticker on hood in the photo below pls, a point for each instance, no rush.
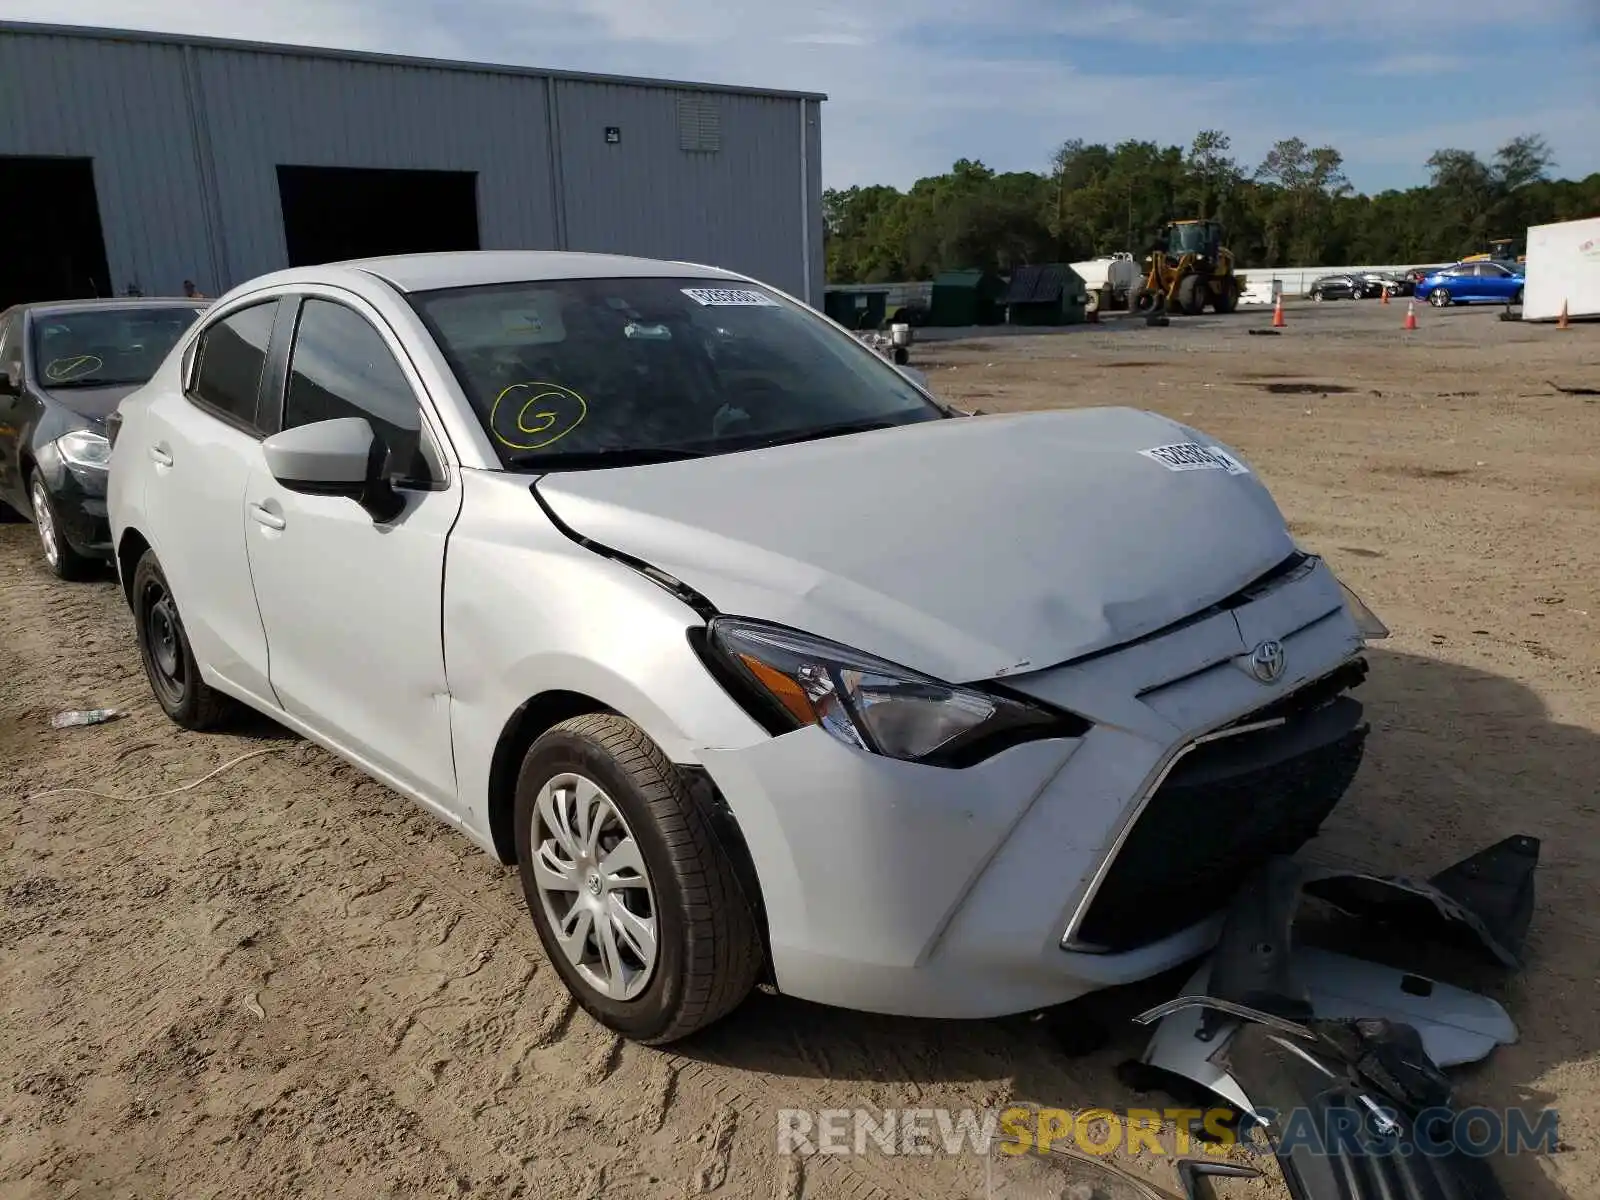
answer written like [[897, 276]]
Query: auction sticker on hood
[[723, 297], [1192, 456]]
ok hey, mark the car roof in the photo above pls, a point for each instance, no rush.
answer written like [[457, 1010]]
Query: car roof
[[474, 268], [64, 307]]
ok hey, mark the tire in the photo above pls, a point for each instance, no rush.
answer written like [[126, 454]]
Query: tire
[[707, 954], [1516, 298], [1192, 295], [1316, 297], [1140, 300], [901, 356], [169, 662], [64, 562], [1228, 297], [1439, 297]]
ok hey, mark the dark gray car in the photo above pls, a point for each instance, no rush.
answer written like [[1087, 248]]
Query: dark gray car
[[64, 368], [1337, 287]]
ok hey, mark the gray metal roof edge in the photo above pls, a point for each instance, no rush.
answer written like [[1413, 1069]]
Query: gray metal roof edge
[[157, 37]]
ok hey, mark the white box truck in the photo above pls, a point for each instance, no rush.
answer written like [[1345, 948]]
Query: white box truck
[[1563, 269]]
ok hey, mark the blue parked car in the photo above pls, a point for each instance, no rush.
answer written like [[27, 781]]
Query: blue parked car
[[1474, 283]]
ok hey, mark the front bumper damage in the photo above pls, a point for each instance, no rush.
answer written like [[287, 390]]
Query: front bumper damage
[[1337, 1060]]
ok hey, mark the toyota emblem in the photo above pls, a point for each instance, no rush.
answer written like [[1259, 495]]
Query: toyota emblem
[[1267, 661]]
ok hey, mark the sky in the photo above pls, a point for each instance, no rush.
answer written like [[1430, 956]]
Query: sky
[[913, 87]]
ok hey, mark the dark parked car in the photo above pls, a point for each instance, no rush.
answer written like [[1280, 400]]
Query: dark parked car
[[64, 368], [1337, 287], [1379, 282]]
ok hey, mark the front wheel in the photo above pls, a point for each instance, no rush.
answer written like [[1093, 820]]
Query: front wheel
[[1516, 298], [1316, 297], [1192, 295], [1439, 297], [64, 562], [169, 661], [636, 900]]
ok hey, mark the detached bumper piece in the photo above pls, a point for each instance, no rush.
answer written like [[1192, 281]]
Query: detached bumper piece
[[1362, 1109], [1337, 1060]]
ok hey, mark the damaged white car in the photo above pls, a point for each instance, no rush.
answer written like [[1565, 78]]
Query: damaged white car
[[757, 660]]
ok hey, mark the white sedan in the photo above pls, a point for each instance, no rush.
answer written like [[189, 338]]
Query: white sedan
[[758, 661]]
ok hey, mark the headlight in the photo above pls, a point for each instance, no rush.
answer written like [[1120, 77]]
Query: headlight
[[1366, 620], [793, 680], [82, 448]]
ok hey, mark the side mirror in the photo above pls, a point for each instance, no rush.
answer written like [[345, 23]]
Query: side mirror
[[341, 457], [11, 381]]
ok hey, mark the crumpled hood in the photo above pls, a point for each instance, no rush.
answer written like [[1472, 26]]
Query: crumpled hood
[[965, 548]]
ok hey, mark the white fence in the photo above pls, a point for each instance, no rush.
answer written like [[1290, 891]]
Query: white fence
[[1295, 280], [1258, 282]]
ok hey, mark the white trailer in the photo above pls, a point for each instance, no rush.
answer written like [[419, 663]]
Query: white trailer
[[1563, 269]]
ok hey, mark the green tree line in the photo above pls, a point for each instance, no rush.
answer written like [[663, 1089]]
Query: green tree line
[[1297, 208]]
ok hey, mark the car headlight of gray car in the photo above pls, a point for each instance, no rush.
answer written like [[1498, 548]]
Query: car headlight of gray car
[[789, 680], [85, 449], [1372, 629]]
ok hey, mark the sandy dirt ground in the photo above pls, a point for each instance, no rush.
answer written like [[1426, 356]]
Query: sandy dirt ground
[[287, 981]]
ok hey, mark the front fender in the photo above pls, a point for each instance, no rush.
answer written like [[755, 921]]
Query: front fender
[[528, 612]]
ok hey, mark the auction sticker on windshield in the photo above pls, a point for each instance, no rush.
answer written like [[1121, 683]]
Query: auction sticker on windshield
[[1192, 456], [719, 297]]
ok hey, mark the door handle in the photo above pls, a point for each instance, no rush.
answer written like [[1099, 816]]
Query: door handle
[[265, 516], [160, 457]]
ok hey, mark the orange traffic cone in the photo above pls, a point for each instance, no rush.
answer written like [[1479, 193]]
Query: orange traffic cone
[[1277, 313], [1411, 314], [1385, 295], [1563, 323]]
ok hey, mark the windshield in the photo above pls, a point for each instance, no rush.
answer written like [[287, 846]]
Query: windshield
[[578, 372], [1187, 239], [106, 347]]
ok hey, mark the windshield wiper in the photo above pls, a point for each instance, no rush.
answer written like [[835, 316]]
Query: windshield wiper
[[819, 432], [86, 381], [587, 460]]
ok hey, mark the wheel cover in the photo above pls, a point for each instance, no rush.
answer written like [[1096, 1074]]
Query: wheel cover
[[163, 639], [45, 521], [594, 886]]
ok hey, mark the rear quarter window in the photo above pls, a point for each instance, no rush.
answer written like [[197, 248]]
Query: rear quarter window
[[229, 357]]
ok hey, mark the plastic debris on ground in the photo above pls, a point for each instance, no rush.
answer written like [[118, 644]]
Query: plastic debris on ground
[[87, 716]]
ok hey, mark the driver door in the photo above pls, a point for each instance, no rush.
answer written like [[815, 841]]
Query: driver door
[[353, 608]]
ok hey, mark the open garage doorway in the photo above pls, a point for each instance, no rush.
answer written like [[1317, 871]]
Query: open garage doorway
[[54, 247], [335, 213]]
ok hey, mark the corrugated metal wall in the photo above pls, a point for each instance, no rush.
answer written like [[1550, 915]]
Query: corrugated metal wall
[[186, 139]]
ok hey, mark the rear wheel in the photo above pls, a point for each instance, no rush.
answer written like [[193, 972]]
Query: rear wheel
[[1228, 296], [636, 901], [64, 562], [169, 661]]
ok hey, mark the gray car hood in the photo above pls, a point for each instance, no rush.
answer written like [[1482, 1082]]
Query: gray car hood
[[965, 548]]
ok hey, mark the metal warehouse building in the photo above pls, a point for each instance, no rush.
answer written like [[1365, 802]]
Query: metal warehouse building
[[138, 160]]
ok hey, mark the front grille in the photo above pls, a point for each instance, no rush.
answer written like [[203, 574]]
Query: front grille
[[1226, 807]]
